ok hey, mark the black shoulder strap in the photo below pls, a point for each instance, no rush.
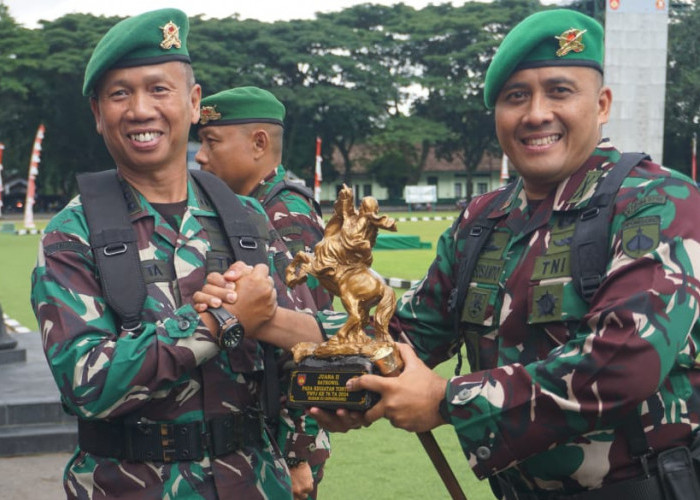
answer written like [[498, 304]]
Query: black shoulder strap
[[477, 234], [114, 245], [296, 187], [589, 245], [246, 232]]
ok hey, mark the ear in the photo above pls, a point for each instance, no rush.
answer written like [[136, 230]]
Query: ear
[[195, 99], [604, 104], [261, 142], [95, 107]]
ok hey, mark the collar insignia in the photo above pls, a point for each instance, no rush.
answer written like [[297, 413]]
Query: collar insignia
[[171, 36], [208, 114], [569, 41]]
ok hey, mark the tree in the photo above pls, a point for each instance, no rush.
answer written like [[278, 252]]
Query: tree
[[682, 116], [401, 149], [452, 48], [22, 53]]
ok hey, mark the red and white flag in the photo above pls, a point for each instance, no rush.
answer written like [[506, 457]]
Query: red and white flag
[[31, 180], [318, 177]]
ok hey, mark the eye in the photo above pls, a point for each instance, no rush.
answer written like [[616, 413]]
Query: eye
[[515, 96], [560, 91], [117, 93]]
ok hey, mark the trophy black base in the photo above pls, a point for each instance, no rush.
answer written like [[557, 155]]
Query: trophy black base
[[321, 382]]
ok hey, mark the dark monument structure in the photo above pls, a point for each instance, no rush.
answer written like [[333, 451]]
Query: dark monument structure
[[32, 419], [8, 346]]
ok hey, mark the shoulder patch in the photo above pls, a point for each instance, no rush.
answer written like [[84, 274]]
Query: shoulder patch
[[640, 236], [636, 205]]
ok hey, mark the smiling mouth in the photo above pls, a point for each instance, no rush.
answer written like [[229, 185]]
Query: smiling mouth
[[145, 136], [542, 141]]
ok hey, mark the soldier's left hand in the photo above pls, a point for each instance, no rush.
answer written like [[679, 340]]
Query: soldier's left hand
[[302, 481], [410, 401]]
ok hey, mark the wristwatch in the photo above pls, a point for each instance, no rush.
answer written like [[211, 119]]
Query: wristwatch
[[230, 331]]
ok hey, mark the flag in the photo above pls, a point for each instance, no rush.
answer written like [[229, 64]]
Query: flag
[[318, 177], [2, 148], [504, 170], [694, 164], [31, 180]]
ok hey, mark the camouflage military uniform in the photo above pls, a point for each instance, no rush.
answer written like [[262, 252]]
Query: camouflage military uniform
[[556, 377], [170, 371], [297, 223]]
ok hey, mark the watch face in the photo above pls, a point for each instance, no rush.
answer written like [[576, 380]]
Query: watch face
[[232, 336]]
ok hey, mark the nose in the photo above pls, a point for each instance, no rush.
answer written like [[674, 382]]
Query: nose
[[201, 157], [539, 110], [140, 108]]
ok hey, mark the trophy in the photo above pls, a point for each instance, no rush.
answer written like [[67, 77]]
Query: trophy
[[342, 264]]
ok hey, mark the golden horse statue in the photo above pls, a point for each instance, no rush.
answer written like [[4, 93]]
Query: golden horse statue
[[342, 264]]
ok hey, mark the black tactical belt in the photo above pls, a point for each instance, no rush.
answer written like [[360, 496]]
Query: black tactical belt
[[170, 442], [638, 489]]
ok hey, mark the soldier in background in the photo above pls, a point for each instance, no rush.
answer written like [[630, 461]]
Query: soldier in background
[[241, 131]]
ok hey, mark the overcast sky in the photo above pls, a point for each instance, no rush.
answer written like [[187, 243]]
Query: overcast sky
[[29, 12]]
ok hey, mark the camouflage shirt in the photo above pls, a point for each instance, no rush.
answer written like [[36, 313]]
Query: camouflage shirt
[[297, 223], [553, 378], [169, 371]]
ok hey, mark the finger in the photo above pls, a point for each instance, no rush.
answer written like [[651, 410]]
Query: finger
[[237, 270], [216, 279], [206, 300], [213, 293], [373, 383], [261, 270]]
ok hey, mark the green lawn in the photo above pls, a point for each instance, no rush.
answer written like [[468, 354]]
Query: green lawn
[[379, 462]]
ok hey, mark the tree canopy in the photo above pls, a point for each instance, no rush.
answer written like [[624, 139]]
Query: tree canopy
[[395, 80]]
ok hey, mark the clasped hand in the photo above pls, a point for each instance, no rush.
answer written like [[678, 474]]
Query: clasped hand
[[246, 291]]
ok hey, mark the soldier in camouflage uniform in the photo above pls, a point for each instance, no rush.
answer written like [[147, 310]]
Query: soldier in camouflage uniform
[[165, 409], [241, 131], [557, 384]]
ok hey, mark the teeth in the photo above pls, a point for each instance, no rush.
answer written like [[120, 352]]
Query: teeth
[[145, 136], [542, 141]]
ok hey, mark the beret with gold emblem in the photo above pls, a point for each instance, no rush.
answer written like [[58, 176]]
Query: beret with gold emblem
[[560, 37], [154, 37], [241, 105]]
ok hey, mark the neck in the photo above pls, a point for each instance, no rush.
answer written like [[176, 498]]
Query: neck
[[167, 185]]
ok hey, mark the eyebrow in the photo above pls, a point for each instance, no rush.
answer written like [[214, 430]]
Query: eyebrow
[[555, 80]]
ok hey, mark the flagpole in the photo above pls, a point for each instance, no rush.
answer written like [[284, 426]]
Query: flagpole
[[318, 177], [31, 180], [2, 148]]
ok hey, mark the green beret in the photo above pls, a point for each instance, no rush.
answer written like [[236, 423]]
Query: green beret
[[241, 105], [560, 37], [154, 37]]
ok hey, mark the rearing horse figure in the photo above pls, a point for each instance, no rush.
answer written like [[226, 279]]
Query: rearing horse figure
[[342, 264]]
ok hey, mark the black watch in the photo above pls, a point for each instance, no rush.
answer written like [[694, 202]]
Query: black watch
[[230, 331]]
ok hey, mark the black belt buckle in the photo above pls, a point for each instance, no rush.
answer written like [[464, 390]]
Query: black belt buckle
[[225, 435]]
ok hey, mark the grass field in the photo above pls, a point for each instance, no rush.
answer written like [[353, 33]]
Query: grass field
[[379, 462]]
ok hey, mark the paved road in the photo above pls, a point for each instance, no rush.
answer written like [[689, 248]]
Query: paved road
[[35, 477]]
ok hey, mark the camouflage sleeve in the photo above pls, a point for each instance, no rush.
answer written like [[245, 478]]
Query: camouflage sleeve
[[101, 371], [300, 228], [298, 435], [637, 343]]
